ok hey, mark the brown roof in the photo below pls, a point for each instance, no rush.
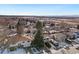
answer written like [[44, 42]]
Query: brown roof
[[17, 38]]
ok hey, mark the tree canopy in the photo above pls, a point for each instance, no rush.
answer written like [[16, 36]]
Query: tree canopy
[[38, 41]]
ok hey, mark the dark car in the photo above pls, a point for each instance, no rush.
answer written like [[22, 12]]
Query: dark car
[[34, 50]]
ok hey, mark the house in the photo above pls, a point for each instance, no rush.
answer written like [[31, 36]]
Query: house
[[60, 37]]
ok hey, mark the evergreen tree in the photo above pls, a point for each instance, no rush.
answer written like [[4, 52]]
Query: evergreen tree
[[9, 26], [20, 27], [39, 25], [38, 41]]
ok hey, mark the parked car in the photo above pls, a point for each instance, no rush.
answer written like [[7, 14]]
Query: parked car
[[35, 51], [56, 45], [76, 34]]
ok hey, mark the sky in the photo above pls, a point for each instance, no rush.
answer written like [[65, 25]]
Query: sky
[[39, 9]]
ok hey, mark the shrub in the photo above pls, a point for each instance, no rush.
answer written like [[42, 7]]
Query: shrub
[[20, 46], [12, 48], [77, 48], [48, 45], [68, 42]]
